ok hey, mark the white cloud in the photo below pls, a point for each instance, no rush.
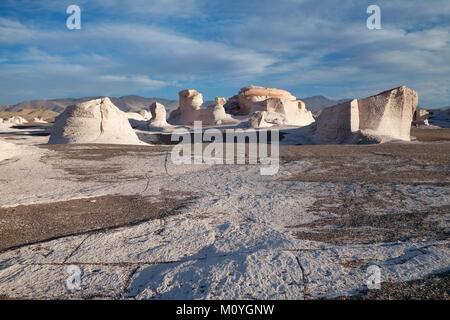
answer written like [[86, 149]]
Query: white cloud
[[297, 44], [140, 80]]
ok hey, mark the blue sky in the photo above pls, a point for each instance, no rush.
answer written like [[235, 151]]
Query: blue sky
[[158, 47]]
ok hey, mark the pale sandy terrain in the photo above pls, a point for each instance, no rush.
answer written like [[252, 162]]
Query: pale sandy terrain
[[30, 114], [140, 227]]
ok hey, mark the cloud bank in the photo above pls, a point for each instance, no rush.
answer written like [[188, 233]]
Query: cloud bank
[[155, 48]]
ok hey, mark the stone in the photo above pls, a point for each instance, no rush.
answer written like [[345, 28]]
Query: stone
[[189, 110], [137, 121], [220, 116], [420, 117], [258, 120], [39, 120], [380, 118], [338, 124], [281, 107], [17, 120], [388, 114], [294, 112], [158, 116], [94, 121], [145, 114], [190, 99], [249, 99], [4, 124]]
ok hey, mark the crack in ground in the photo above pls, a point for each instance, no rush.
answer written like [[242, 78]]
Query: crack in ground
[[306, 295], [77, 248], [128, 283]]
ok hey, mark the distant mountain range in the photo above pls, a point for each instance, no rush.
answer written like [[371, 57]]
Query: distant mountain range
[[317, 103], [136, 103], [126, 103]]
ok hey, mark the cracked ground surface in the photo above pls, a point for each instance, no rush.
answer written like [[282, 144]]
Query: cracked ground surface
[[139, 227]]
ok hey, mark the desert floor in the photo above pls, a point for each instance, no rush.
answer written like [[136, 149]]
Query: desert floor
[[139, 226]]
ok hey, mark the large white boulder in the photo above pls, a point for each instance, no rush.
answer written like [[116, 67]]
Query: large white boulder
[[94, 121], [293, 112], [158, 116], [383, 117], [388, 114], [219, 114], [145, 114], [281, 107], [250, 99], [338, 124], [190, 110], [136, 120], [258, 120], [283, 112]]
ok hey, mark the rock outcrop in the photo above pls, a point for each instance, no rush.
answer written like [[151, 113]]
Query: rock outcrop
[[219, 114], [17, 121], [39, 120], [281, 107], [380, 118], [258, 120], [145, 114], [4, 124], [137, 121], [158, 116], [420, 117], [338, 124], [190, 110], [94, 121], [292, 112], [249, 99]]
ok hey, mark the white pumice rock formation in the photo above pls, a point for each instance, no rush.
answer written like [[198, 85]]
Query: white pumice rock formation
[[94, 121], [158, 116], [250, 99], [17, 120], [190, 110], [281, 107], [134, 115], [220, 116], [282, 112], [384, 117], [145, 114], [4, 124], [421, 117], [258, 120], [338, 124], [39, 120], [137, 121], [293, 112]]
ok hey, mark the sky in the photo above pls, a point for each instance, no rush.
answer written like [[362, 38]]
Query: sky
[[155, 48]]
